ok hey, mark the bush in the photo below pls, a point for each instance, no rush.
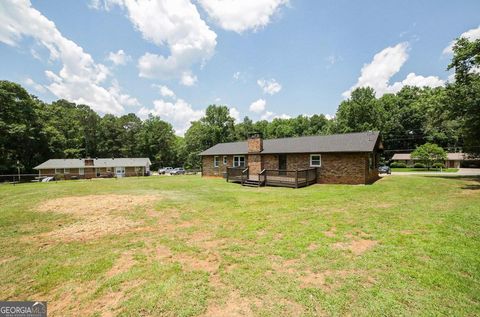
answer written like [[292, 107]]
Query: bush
[[398, 165], [419, 165], [438, 165]]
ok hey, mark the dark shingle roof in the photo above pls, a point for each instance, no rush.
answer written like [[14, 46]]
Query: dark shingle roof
[[348, 142]]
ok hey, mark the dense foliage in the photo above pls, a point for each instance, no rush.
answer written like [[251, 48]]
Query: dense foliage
[[32, 131], [428, 154]]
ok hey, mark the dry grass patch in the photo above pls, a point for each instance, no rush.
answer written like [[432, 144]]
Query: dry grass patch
[[97, 215], [123, 264], [234, 306], [327, 280], [357, 247], [331, 233]]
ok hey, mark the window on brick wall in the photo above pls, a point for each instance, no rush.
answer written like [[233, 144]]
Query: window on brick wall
[[224, 160], [239, 161], [315, 160], [215, 161]]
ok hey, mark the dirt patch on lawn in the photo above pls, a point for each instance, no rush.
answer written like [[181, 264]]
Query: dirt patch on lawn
[[95, 204], [123, 264], [357, 247], [327, 280], [97, 215], [190, 263], [234, 306], [331, 233]]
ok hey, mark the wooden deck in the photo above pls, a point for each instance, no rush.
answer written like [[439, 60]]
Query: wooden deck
[[279, 178]]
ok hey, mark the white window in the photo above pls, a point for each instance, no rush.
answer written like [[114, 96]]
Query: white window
[[239, 161], [315, 160], [66, 171], [224, 160], [215, 161], [59, 171], [81, 171]]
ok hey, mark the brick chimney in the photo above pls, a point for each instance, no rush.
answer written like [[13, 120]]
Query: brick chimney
[[255, 143], [88, 161]]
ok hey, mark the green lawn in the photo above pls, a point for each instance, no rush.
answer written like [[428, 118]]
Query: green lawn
[[187, 246], [411, 169]]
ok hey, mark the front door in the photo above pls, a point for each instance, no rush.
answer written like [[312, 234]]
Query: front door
[[282, 163], [120, 171]]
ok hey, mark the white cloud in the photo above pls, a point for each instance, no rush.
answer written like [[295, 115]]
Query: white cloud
[[384, 66], [269, 116], [119, 58], [188, 79], [236, 75], [165, 91], [270, 87], [175, 24], [80, 79], [329, 116], [418, 81], [242, 15], [258, 106], [124, 99], [472, 34], [235, 114], [332, 60], [36, 86], [179, 113]]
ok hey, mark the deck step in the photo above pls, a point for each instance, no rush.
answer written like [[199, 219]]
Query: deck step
[[251, 183]]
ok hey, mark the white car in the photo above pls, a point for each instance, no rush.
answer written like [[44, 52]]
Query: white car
[[165, 170]]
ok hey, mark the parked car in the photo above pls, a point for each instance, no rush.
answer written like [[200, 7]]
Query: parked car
[[165, 170], [178, 171], [384, 170]]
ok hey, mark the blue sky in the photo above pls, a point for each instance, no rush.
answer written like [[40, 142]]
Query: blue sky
[[262, 58]]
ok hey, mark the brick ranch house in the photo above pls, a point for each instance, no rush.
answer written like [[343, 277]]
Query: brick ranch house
[[350, 158], [454, 160], [94, 167]]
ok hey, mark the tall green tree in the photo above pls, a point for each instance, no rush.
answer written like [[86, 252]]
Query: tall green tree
[[156, 140], [20, 130], [361, 112], [464, 93], [216, 126]]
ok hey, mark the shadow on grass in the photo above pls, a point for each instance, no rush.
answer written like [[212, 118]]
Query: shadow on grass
[[462, 177]]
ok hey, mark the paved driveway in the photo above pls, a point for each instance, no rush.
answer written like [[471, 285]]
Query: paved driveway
[[461, 172]]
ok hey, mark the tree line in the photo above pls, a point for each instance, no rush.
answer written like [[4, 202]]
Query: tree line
[[32, 131]]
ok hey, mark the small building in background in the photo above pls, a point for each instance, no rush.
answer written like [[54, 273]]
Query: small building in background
[[454, 160], [94, 167]]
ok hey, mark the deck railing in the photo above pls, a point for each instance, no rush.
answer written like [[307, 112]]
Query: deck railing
[[237, 174], [270, 177], [290, 178]]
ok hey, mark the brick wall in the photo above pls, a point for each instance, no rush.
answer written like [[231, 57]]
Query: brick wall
[[255, 145], [255, 165], [209, 170], [337, 168], [270, 161], [343, 168]]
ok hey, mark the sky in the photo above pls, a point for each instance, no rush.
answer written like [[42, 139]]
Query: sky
[[264, 59]]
